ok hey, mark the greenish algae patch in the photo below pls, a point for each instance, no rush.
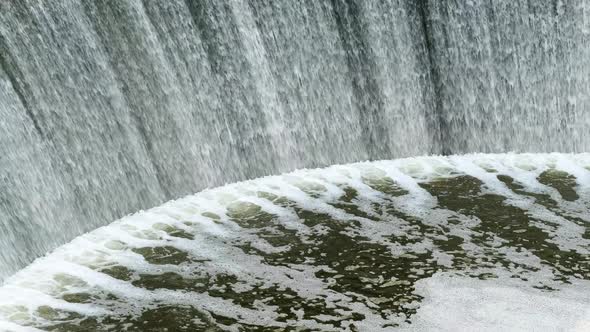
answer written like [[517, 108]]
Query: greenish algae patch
[[163, 255], [118, 272], [385, 185], [165, 318], [563, 182]]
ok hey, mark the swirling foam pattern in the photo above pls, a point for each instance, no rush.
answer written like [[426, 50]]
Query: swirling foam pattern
[[475, 242]]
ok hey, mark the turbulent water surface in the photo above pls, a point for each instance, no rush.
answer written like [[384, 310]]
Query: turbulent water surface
[[475, 242]]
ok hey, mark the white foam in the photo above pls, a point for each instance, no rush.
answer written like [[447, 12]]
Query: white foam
[[214, 240], [454, 303]]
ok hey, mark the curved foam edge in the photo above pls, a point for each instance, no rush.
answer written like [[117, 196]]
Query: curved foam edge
[[36, 286]]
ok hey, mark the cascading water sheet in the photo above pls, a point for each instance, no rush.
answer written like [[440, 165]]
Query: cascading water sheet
[[475, 242], [109, 107]]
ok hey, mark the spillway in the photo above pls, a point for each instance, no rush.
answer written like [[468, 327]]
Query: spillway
[[460, 243], [373, 165], [109, 107]]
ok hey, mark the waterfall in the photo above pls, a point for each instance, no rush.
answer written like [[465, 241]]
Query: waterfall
[[109, 107]]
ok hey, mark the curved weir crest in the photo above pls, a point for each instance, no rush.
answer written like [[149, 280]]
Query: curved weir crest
[[109, 107], [447, 243]]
